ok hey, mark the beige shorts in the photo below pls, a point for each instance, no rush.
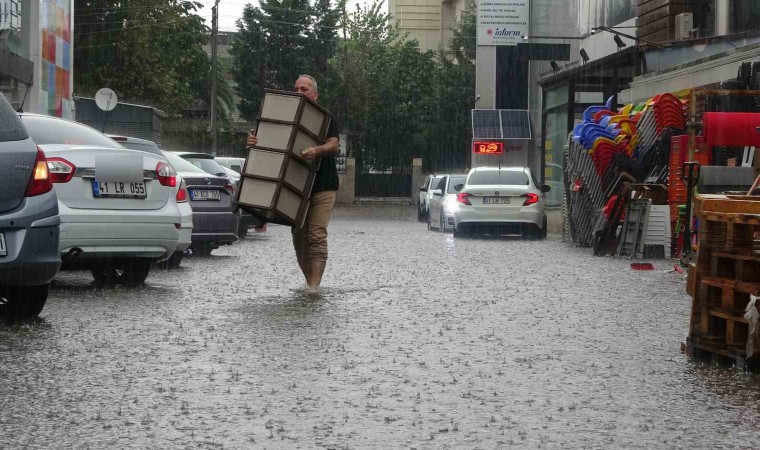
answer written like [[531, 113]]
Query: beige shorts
[[310, 241]]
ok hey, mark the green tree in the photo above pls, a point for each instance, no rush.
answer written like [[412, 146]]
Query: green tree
[[148, 51], [279, 40]]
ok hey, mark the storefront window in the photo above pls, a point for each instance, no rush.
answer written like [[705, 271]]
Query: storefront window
[[555, 137], [14, 27], [745, 15]]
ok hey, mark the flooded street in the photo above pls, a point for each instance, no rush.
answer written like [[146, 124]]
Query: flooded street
[[417, 340]]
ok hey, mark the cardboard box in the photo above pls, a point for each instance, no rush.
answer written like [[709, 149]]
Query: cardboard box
[[276, 182]]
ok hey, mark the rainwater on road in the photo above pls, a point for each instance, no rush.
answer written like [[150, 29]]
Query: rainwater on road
[[417, 340]]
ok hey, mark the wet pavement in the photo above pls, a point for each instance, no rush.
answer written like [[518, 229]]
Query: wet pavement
[[417, 340]]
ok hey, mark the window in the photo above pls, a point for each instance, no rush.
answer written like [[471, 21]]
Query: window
[[50, 130], [455, 182], [498, 177]]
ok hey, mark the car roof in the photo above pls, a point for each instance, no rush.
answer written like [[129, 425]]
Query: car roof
[[489, 168], [193, 155]]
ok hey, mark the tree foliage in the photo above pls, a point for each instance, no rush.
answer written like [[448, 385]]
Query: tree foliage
[[148, 51], [393, 101]]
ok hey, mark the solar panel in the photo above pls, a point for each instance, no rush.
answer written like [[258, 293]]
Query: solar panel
[[486, 124], [500, 124], [515, 124]]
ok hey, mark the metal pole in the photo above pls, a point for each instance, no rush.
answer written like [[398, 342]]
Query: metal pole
[[214, 31]]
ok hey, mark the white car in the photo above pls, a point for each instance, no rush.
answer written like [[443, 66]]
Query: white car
[[182, 195], [426, 195], [501, 199], [443, 203], [118, 207], [232, 163]]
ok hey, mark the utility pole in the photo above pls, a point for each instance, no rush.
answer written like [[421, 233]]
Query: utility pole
[[214, 31]]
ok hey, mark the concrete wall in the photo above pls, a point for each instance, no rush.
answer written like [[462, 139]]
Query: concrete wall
[[417, 179], [347, 190]]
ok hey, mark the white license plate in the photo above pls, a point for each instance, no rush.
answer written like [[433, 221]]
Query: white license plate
[[205, 194], [116, 189], [3, 248], [495, 200]]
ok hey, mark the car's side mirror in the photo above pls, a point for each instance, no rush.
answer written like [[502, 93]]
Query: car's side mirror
[[546, 188], [423, 189], [437, 193]]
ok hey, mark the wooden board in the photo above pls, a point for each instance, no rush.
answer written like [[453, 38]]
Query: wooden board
[[731, 204]]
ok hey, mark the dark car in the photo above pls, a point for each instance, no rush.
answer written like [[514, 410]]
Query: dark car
[[209, 164], [214, 223], [29, 221]]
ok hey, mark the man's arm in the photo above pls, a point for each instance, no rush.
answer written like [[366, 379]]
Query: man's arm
[[331, 147]]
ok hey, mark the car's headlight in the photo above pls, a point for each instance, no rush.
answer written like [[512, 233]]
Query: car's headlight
[[450, 206]]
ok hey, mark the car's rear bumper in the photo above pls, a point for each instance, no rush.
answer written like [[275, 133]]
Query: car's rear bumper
[[531, 216], [215, 228], [31, 234], [32, 258], [98, 233]]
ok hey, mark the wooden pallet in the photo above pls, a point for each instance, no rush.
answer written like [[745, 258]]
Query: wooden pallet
[[719, 355], [724, 276]]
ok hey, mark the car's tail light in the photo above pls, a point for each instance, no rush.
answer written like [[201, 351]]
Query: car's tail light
[[61, 171], [464, 197], [530, 198], [41, 182], [182, 192], [229, 187], [166, 175]]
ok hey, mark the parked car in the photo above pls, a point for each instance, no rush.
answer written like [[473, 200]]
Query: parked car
[[186, 212], [235, 164], [210, 165], [501, 199], [118, 206], [210, 196], [443, 202], [29, 221], [426, 195]]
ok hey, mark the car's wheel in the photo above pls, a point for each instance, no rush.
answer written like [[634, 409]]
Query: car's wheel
[[460, 232], [429, 225], [544, 230], [24, 302], [442, 223], [203, 250], [420, 214], [242, 230], [173, 262], [129, 272]]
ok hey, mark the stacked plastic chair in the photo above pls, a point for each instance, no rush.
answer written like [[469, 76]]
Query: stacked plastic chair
[[609, 141]]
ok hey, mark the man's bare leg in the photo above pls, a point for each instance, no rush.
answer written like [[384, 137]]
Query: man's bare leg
[[316, 270]]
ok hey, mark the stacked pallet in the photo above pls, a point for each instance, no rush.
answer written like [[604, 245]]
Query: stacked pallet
[[724, 278]]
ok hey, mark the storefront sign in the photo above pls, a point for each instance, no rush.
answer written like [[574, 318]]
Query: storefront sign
[[487, 148], [503, 22]]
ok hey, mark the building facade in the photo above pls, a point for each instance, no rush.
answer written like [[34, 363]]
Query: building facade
[[430, 22], [36, 55]]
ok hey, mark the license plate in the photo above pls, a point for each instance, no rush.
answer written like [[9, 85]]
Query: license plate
[[205, 194], [116, 189], [3, 248], [495, 200]]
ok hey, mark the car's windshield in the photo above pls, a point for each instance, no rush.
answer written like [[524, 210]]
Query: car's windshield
[[498, 177], [49, 130], [456, 182], [208, 165], [182, 165]]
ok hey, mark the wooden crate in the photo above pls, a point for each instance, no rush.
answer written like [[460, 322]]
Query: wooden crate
[[724, 276]]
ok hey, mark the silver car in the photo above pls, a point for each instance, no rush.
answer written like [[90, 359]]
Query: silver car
[[443, 203], [426, 194], [29, 221], [498, 200]]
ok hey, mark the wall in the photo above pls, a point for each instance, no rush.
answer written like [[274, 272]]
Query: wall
[[421, 19]]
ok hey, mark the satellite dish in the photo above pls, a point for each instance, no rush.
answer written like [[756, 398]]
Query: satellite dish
[[106, 99]]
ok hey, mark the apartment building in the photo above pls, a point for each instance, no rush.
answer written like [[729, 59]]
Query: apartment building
[[428, 21]]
